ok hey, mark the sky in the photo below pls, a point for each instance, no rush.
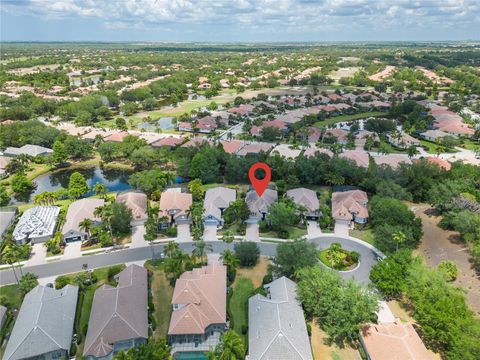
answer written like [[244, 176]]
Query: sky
[[239, 20]]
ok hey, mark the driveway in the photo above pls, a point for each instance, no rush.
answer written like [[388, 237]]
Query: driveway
[[137, 236], [252, 232], [39, 255], [341, 229], [313, 229], [210, 233], [183, 233], [72, 250]]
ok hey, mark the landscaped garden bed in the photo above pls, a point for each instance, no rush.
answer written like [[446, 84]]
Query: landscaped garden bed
[[337, 258]]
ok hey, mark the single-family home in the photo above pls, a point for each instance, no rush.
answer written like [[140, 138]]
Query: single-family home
[[174, 205], [206, 124], [37, 224], [339, 134], [286, 151], [392, 160], [244, 109], [232, 146], [434, 135], [199, 314], [393, 341], [277, 124], [308, 199], [119, 315], [259, 205], [32, 150], [359, 157], [348, 206], [170, 142], [117, 136], [44, 326], [313, 150], [402, 140], [216, 201], [196, 142], [441, 163], [137, 202], [254, 148], [7, 218], [77, 212], [4, 160], [276, 324]]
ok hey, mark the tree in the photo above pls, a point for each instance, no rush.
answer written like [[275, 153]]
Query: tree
[[237, 211], [196, 189], [150, 181], [151, 350], [231, 261], [59, 155], [390, 274], [230, 347], [27, 282], [228, 236], [412, 151], [449, 269], [176, 264], [340, 306], [293, 256], [120, 219], [86, 225], [171, 248], [100, 190], [4, 197], [77, 186], [204, 165], [270, 133], [21, 185], [53, 244], [200, 249], [282, 214], [247, 253]]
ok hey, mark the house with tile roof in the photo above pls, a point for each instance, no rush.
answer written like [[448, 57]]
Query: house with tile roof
[[170, 142], [32, 150], [286, 151], [44, 325], [216, 201], [36, 224], [174, 205], [359, 157], [199, 314], [276, 324], [259, 205], [393, 341], [119, 316], [254, 148], [308, 199], [137, 202], [348, 206], [77, 212], [232, 146]]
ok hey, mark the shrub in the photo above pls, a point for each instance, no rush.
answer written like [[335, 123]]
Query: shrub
[[171, 231], [268, 278], [449, 269], [244, 329], [283, 234], [61, 281], [355, 256], [73, 350], [247, 253], [114, 270]]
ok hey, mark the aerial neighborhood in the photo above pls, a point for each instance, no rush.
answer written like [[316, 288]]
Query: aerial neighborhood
[[131, 227]]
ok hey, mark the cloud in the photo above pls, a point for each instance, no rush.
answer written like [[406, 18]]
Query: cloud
[[270, 15]]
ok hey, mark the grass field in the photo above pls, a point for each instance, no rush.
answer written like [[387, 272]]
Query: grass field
[[342, 118], [365, 235], [162, 295], [238, 305], [432, 147], [294, 232]]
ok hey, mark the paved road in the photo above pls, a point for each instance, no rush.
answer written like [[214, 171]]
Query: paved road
[[367, 258]]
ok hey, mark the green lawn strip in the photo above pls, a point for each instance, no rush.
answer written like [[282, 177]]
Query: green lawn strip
[[10, 297], [238, 306], [432, 147], [365, 235], [294, 232], [348, 117], [162, 294], [471, 145]]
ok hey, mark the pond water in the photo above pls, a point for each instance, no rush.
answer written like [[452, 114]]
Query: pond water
[[196, 97], [77, 81], [114, 180], [164, 123]]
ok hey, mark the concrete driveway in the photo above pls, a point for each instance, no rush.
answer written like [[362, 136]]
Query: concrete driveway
[[183, 233], [341, 229], [39, 255], [210, 233], [72, 250], [313, 229], [252, 233], [137, 236]]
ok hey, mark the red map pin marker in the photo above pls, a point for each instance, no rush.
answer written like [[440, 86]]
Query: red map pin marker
[[260, 184]]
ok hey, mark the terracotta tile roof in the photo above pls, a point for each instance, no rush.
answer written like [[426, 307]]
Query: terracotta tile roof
[[117, 137], [168, 141], [313, 150], [197, 141], [174, 202], [255, 148], [202, 296], [346, 203], [340, 134], [360, 157], [444, 164], [313, 134], [80, 210], [232, 146], [395, 341], [135, 201]]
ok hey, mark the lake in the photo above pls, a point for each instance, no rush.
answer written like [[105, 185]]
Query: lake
[[114, 180], [164, 123]]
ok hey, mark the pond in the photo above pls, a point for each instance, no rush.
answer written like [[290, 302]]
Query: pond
[[77, 81], [114, 180], [164, 123]]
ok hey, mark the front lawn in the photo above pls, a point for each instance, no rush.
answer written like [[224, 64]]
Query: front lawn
[[365, 235], [238, 306], [294, 232], [162, 294]]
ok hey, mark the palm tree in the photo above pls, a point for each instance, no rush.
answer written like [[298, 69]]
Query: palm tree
[[399, 237], [10, 256], [100, 189], [200, 249], [170, 248], [230, 347], [86, 225], [231, 261], [412, 151]]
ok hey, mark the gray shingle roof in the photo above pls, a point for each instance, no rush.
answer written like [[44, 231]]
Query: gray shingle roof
[[277, 329], [44, 323], [259, 205], [216, 199], [305, 197], [118, 313], [33, 150]]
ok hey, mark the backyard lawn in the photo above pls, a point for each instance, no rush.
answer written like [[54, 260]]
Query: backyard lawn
[[238, 306], [162, 295], [349, 117]]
